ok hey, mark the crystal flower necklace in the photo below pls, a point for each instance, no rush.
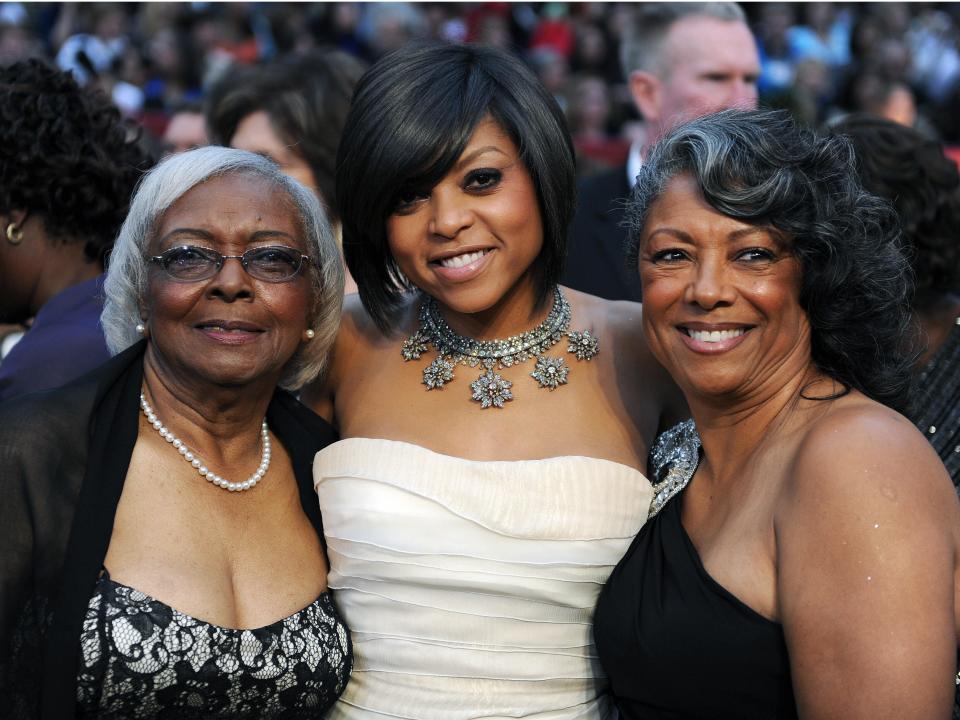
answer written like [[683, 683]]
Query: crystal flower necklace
[[491, 389], [198, 465]]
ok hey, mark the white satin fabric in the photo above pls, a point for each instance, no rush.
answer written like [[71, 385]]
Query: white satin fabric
[[469, 586]]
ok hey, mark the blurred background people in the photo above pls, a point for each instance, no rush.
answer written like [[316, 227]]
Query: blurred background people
[[589, 114], [293, 112], [186, 130], [174, 52], [89, 54], [681, 60], [68, 166], [910, 170], [819, 61]]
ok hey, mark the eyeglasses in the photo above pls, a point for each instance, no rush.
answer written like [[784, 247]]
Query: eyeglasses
[[189, 263]]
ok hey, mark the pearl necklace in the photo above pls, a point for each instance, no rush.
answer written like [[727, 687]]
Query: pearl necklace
[[198, 464]]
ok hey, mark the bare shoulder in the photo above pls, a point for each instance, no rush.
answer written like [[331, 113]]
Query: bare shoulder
[[618, 323], [866, 548], [863, 467], [863, 452], [359, 337], [360, 333], [641, 379]]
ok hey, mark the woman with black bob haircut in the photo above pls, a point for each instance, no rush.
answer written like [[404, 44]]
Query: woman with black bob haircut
[[495, 426], [819, 530], [400, 124]]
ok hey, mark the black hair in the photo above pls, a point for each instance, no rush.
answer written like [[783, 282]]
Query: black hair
[[762, 168], [909, 169], [413, 113], [66, 156], [306, 98]]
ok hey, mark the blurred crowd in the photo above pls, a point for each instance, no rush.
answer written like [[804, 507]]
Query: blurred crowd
[[159, 61]]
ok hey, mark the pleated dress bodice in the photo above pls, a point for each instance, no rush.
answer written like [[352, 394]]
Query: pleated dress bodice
[[469, 586]]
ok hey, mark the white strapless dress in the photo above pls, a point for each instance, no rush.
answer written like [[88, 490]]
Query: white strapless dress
[[469, 586]]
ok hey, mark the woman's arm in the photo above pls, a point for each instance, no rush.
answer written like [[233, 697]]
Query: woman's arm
[[866, 554]]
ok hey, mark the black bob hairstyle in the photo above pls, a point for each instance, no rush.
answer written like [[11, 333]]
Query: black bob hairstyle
[[761, 168], [413, 113], [909, 169]]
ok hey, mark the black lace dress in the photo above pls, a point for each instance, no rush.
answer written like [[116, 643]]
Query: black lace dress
[[141, 659], [64, 457]]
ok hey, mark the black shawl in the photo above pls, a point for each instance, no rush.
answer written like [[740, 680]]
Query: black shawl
[[64, 455]]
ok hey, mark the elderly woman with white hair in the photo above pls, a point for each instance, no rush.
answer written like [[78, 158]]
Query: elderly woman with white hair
[[162, 552]]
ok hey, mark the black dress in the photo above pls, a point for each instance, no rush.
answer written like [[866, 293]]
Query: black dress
[[64, 456], [936, 404], [143, 660], [677, 646]]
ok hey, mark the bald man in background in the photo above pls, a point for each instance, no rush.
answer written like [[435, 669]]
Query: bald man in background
[[681, 60]]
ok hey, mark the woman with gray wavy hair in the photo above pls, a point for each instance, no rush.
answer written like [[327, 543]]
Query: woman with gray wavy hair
[[810, 566], [163, 554]]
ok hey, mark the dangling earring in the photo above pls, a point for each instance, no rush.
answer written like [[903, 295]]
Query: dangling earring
[[14, 234], [309, 334]]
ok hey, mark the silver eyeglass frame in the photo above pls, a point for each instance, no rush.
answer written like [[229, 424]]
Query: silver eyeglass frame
[[220, 258]]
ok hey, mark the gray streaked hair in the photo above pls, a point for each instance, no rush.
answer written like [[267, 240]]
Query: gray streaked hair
[[125, 286], [762, 168], [642, 47]]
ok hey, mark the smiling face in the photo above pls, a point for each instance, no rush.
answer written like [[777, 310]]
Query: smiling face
[[471, 240], [721, 304], [229, 329]]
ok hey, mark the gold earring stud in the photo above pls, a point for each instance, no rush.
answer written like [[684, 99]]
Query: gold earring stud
[[14, 234]]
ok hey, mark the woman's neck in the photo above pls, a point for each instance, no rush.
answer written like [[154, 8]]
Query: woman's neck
[[732, 432], [201, 413], [65, 265], [517, 311]]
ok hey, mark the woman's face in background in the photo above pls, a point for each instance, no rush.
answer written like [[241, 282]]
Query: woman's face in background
[[472, 239], [256, 134], [721, 304]]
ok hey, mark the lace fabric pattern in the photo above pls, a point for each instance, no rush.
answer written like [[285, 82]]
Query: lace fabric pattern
[[142, 659]]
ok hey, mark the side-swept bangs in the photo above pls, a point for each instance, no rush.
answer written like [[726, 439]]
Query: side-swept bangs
[[413, 114]]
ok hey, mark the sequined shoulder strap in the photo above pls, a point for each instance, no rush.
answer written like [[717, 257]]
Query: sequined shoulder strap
[[673, 460]]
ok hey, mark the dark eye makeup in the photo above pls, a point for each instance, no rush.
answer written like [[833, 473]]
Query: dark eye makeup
[[482, 178]]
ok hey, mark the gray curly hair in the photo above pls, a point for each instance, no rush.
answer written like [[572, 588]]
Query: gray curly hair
[[126, 283], [762, 167]]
